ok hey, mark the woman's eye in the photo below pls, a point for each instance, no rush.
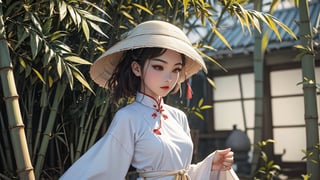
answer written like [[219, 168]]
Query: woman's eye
[[176, 70], [157, 67]]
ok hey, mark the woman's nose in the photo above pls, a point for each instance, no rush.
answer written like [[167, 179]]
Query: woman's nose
[[168, 77]]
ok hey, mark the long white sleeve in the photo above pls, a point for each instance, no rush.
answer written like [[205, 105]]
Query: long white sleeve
[[109, 158], [202, 170]]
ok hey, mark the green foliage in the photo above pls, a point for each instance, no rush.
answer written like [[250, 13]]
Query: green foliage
[[195, 109], [308, 49], [309, 157], [268, 169]]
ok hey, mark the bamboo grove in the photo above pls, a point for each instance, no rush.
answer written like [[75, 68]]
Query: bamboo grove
[[51, 112]]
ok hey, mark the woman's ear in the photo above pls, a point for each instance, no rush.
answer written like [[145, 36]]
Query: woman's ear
[[136, 68]]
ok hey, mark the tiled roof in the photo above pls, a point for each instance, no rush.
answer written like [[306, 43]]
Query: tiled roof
[[241, 42]]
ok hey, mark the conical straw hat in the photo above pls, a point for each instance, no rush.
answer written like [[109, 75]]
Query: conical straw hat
[[153, 33]]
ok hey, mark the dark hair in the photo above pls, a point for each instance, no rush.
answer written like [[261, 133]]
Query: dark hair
[[123, 83]]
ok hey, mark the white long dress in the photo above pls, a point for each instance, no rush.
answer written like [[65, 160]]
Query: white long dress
[[150, 137]]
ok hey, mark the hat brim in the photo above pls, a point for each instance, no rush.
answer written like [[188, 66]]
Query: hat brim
[[103, 67]]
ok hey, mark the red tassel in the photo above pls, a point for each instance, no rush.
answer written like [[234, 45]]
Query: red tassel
[[188, 90]]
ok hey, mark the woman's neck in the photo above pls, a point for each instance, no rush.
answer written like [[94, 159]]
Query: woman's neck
[[158, 99]]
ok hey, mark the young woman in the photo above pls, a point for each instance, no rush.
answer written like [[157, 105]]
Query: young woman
[[148, 64]]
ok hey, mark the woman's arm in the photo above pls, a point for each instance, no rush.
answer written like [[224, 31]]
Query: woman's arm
[[109, 158]]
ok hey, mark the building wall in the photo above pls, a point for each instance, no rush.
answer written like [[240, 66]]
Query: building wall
[[233, 101]]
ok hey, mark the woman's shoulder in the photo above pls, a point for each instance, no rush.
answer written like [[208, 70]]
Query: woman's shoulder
[[179, 116], [127, 111], [126, 116], [174, 110]]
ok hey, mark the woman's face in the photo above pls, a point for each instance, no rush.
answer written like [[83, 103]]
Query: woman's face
[[161, 74]]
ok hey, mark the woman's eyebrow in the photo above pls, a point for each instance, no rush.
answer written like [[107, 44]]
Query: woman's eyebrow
[[163, 61], [160, 60]]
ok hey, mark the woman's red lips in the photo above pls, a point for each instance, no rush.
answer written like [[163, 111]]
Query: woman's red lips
[[164, 87]]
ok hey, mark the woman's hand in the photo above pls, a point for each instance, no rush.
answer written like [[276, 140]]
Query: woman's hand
[[222, 160]]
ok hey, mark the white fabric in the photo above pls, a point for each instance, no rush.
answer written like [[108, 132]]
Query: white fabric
[[130, 140], [202, 170]]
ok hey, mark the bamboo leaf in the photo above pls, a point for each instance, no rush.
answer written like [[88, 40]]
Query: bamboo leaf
[[273, 26], [56, 35], [199, 115], [286, 28], [49, 54], [22, 65], [241, 21], [270, 164], [62, 46], [212, 60], [273, 6], [254, 22], [22, 34], [98, 29], [299, 46], [127, 15], [200, 102], [77, 59], [185, 5], [59, 65], [211, 82], [264, 41], [85, 29], [264, 156], [205, 107], [259, 16], [244, 16], [69, 75], [35, 22], [142, 8], [221, 37], [28, 71], [34, 44], [276, 167], [73, 15], [47, 26], [81, 79], [79, 17], [97, 7], [38, 75], [62, 10], [22, 62], [169, 3], [50, 80], [92, 17], [51, 7]]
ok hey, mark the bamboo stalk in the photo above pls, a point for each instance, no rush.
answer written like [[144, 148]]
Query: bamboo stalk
[[5, 149], [60, 90], [83, 131], [43, 105], [258, 65], [16, 126], [309, 92], [28, 111], [102, 115], [88, 130]]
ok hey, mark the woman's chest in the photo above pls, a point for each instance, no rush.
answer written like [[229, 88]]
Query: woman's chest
[[172, 146]]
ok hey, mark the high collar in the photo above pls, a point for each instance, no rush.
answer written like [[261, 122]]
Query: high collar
[[149, 101]]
